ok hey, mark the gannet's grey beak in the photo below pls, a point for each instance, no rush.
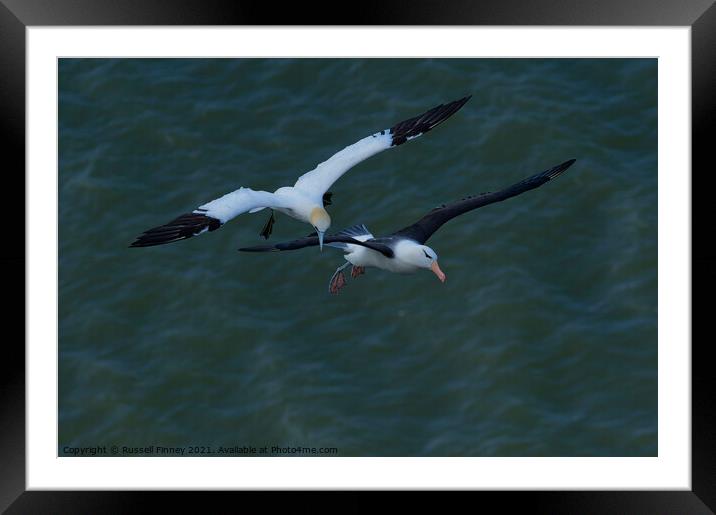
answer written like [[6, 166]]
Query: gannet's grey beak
[[320, 240]]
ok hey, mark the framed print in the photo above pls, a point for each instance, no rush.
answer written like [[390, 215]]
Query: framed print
[[550, 351]]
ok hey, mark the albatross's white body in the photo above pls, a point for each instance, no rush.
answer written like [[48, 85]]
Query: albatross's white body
[[400, 263]]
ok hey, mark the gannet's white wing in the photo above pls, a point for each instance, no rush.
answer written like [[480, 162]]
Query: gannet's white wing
[[240, 201], [210, 216], [317, 181]]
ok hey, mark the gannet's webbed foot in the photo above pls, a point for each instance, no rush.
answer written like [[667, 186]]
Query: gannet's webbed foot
[[327, 199], [268, 228], [357, 270], [338, 280]]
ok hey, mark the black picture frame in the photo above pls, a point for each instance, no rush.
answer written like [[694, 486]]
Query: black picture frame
[[17, 15]]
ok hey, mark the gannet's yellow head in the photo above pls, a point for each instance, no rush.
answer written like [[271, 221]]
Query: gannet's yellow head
[[321, 220]]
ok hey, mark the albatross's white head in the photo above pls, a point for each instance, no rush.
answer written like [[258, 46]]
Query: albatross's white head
[[321, 220], [423, 256]]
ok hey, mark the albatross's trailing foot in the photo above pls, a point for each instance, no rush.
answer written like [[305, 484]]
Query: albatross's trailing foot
[[338, 280], [357, 270]]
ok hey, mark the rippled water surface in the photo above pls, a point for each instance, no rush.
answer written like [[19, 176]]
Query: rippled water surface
[[542, 342]]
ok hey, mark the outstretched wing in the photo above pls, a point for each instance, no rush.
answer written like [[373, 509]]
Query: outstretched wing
[[338, 240], [208, 217], [317, 181], [421, 230]]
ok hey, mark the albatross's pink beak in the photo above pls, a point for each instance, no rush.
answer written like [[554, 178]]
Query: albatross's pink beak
[[436, 270]]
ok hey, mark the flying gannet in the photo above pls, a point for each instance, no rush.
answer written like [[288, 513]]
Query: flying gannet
[[405, 251], [305, 200]]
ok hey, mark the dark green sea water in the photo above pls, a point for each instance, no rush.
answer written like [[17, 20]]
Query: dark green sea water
[[542, 342]]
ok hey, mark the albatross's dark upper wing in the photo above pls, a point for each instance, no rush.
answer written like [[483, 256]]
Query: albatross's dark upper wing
[[312, 241], [421, 230]]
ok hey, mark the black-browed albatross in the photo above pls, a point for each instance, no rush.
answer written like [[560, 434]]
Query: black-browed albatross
[[405, 251], [305, 200]]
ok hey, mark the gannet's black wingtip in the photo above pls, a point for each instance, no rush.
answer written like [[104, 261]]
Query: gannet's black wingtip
[[419, 125], [181, 228]]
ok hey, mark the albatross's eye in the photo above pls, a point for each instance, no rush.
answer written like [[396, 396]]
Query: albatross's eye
[[426, 254]]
